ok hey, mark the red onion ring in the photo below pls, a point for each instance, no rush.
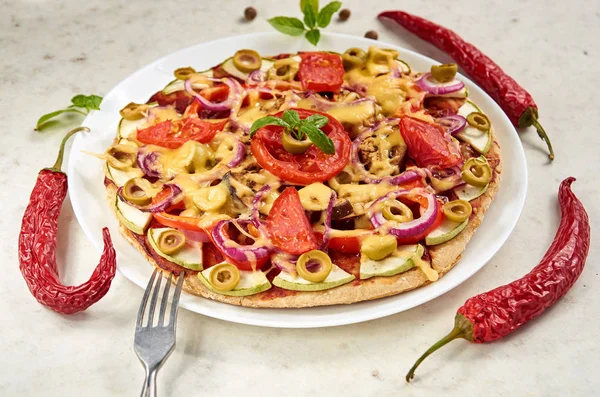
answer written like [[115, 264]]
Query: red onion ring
[[257, 76], [452, 123], [328, 216], [428, 84], [234, 250], [164, 204], [146, 161], [235, 89], [254, 210], [284, 262], [412, 228], [240, 152]]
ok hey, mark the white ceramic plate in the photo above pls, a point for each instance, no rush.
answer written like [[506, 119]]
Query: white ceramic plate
[[92, 211]]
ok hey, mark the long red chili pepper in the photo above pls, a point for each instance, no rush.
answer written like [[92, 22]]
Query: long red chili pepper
[[494, 314], [516, 102], [37, 246]]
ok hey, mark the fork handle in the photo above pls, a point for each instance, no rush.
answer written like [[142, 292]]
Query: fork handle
[[149, 389]]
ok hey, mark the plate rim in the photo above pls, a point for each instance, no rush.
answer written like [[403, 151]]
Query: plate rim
[[187, 299]]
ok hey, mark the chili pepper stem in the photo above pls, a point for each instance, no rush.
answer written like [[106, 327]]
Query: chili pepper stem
[[61, 152], [463, 328], [543, 135]]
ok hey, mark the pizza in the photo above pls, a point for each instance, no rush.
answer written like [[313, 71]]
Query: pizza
[[304, 179]]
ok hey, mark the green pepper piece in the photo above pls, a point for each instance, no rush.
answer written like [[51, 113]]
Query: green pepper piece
[[476, 172], [294, 146], [314, 258], [457, 210], [444, 73], [479, 121], [247, 61], [379, 247]]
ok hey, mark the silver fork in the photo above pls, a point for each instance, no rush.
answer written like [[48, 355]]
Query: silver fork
[[154, 343]]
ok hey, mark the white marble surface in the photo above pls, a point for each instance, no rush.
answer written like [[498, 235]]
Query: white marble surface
[[51, 50]]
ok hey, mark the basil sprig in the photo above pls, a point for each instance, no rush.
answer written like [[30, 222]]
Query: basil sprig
[[81, 104], [313, 20], [309, 127]]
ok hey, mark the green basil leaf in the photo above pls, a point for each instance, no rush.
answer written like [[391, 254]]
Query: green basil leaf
[[310, 16], [313, 36], [291, 117], [327, 12], [313, 3], [90, 102], [318, 137], [287, 25], [317, 120], [269, 120]]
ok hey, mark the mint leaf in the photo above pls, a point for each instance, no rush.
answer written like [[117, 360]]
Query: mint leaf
[[317, 120], [310, 16], [90, 102], [313, 36], [313, 3], [269, 120], [287, 25], [318, 137], [291, 117], [327, 12]]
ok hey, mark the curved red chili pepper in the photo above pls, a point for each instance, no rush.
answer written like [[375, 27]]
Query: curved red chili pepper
[[516, 102], [494, 314], [37, 247]]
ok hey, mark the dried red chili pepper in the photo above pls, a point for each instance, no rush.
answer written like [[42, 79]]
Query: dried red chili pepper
[[496, 313], [37, 246], [516, 102]]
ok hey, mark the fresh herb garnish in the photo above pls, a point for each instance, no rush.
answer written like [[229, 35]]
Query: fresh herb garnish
[[81, 104], [313, 20], [299, 129]]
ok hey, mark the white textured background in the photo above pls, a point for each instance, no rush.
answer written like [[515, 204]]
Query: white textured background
[[52, 50]]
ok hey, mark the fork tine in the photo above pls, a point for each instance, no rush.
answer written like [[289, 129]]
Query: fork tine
[[175, 303], [140, 316], [153, 301], [164, 302]]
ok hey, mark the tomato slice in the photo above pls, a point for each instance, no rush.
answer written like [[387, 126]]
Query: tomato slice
[[308, 167], [428, 144], [321, 71], [287, 224], [172, 134]]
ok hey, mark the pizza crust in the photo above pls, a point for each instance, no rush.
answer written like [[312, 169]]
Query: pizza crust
[[443, 258]]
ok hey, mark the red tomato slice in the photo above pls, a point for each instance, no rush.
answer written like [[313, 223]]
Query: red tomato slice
[[321, 71], [172, 134], [288, 226], [428, 144], [308, 167]]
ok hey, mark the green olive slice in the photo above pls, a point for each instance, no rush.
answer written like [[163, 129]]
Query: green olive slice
[[121, 156], [317, 261], [225, 277], [457, 210], [479, 121], [171, 241], [283, 69], [294, 146], [354, 58], [476, 172], [379, 247], [133, 111], [444, 72], [184, 73], [134, 193], [395, 210], [247, 61]]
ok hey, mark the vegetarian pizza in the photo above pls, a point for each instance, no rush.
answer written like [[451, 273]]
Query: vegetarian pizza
[[304, 179]]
